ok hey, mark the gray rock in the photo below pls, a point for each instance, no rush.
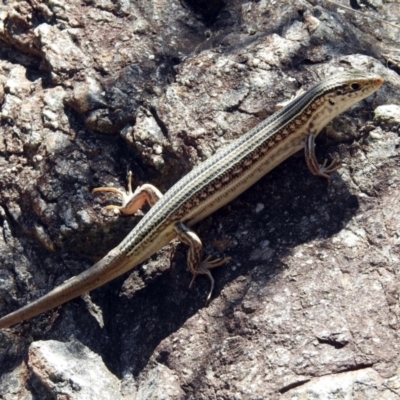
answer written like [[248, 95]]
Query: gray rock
[[72, 371], [308, 306]]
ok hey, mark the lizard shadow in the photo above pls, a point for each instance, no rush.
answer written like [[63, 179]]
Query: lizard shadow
[[261, 227]]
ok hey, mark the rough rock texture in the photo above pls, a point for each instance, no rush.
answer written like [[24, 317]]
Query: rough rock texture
[[70, 370], [309, 305]]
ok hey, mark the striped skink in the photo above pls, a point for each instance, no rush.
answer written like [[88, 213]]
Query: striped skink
[[212, 184]]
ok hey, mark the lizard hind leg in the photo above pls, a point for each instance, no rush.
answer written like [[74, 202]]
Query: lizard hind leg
[[195, 265], [132, 201]]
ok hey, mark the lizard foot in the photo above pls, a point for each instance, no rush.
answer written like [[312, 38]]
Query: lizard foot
[[204, 269]]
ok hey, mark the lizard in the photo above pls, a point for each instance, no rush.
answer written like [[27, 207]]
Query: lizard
[[211, 185]]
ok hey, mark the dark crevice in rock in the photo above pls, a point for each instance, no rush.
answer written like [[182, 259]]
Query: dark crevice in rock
[[163, 357], [354, 4], [159, 121], [293, 385], [209, 10], [335, 343]]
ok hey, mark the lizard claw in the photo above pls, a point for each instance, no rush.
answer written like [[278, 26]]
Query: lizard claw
[[204, 269]]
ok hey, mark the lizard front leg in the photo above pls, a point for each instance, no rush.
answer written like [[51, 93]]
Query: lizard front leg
[[317, 169], [132, 201], [196, 266]]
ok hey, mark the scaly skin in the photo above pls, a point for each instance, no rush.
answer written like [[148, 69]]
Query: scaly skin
[[211, 185]]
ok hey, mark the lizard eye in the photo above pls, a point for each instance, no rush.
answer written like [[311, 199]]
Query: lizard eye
[[355, 86]]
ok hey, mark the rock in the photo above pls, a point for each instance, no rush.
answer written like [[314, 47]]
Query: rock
[[72, 371], [308, 306]]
